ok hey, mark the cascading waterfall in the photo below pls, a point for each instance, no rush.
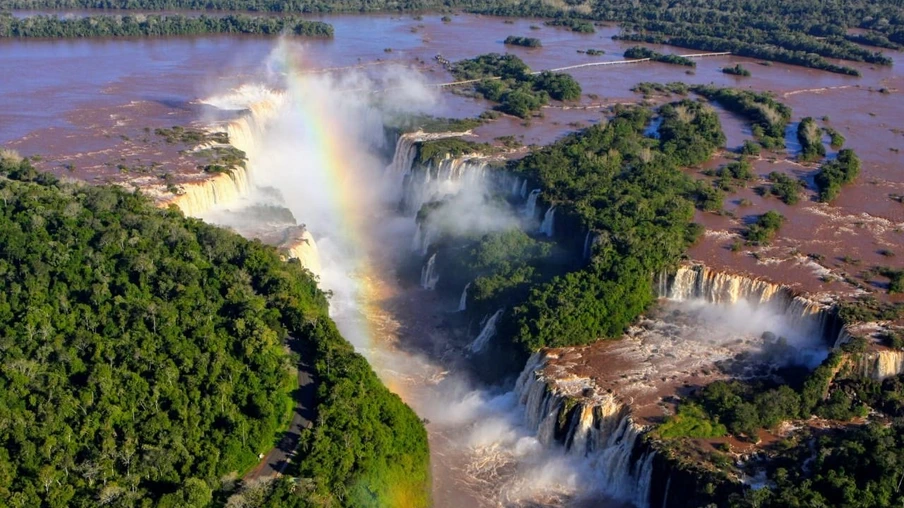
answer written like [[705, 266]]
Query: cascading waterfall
[[429, 277], [880, 365], [405, 152], [548, 226], [463, 301], [487, 333], [599, 428], [530, 209], [449, 176], [523, 191], [300, 245], [259, 107], [200, 196], [697, 281]]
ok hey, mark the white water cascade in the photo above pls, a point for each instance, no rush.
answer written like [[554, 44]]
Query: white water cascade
[[463, 301], [425, 183], [880, 365], [530, 209], [598, 428], [405, 152], [523, 191], [203, 192], [807, 317], [487, 333], [548, 226], [429, 277]]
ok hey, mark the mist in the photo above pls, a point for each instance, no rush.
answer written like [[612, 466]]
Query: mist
[[321, 155]]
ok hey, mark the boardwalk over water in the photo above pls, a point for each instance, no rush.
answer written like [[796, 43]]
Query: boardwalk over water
[[579, 66]]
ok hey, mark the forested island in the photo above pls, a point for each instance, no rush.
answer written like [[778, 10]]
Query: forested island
[[152, 350], [507, 80], [144, 25]]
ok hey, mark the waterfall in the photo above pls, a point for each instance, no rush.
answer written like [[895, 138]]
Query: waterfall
[[697, 281], [599, 428], [530, 209], [880, 365], [523, 191], [516, 186], [548, 226], [449, 176], [300, 245], [429, 277], [405, 152], [463, 301], [206, 192], [258, 106], [487, 333], [589, 240]]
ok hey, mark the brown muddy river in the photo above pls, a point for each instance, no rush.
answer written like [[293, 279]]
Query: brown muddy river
[[78, 101]]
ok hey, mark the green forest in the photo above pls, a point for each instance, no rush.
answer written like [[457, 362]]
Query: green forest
[[144, 361], [158, 25]]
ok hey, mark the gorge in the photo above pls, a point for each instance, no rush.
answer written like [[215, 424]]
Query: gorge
[[556, 295]]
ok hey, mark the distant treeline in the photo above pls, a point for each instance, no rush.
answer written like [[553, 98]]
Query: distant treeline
[[157, 25], [798, 32]]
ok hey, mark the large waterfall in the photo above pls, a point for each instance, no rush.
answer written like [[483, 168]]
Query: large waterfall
[[880, 365], [258, 107], [571, 412], [699, 282]]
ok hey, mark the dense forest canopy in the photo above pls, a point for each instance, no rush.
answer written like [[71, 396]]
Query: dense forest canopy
[[144, 361]]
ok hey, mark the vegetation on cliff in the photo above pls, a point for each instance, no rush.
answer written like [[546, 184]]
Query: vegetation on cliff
[[158, 25], [628, 190], [150, 348]]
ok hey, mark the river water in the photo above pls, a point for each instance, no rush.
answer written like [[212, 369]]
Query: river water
[[77, 100]]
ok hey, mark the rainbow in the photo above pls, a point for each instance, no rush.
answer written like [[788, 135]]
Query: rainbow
[[376, 328]]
